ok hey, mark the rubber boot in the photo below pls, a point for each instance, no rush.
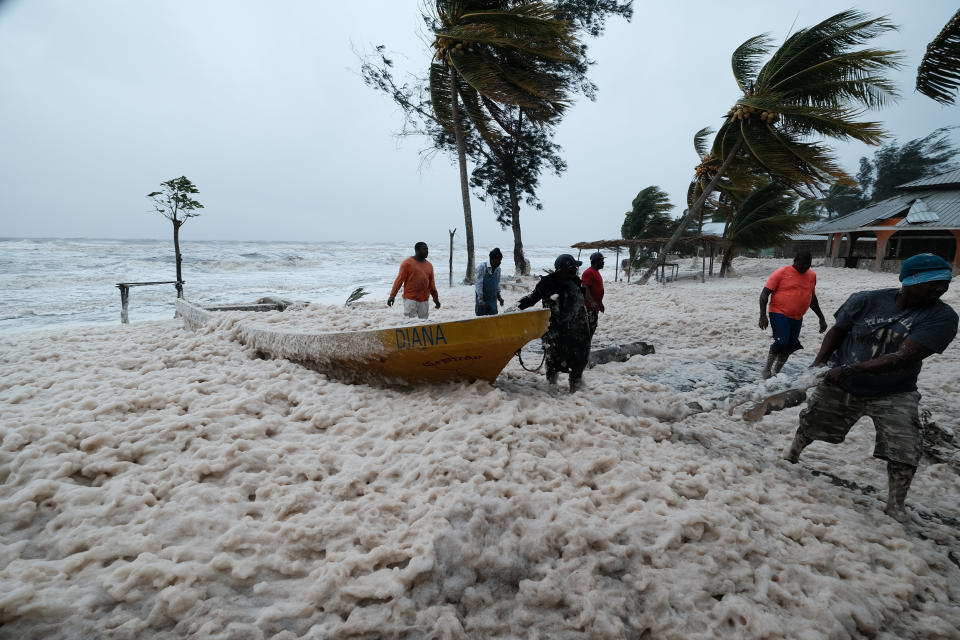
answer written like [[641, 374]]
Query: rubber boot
[[899, 476], [800, 442], [576, 382], [765, 373], [778, 362]]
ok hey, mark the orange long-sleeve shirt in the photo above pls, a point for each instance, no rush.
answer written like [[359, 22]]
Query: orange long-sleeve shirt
[[417, 280]]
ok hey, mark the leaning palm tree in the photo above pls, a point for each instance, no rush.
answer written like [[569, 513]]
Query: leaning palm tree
[[814, 85], [939, 74], [765, 218], [490, 52]]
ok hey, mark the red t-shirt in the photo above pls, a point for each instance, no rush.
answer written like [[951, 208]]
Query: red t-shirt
[[792, 291], [594, 283]]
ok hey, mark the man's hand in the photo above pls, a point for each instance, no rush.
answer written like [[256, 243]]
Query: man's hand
[[823, 324], [834, 376], [390, 302], [436, 303], [500, 300], [764, 321], [602, 308], [482, 303]]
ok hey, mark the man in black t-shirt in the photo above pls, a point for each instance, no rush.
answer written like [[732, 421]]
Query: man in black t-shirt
[[875, 351]]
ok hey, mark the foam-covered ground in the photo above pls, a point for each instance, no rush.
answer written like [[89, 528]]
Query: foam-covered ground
[[161, 483]]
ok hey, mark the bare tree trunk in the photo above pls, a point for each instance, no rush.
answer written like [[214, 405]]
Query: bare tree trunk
[[452, 231], [728, 252], [464, 185], [179, 258], [727, 261], [519, 260], [693, 211]]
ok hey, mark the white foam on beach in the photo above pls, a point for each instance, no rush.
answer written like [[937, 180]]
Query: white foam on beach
[[158, 482]]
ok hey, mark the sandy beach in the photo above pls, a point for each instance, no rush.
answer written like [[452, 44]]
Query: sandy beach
[[160, 483]]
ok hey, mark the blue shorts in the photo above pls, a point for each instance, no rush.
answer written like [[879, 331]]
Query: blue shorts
[[786, 333]]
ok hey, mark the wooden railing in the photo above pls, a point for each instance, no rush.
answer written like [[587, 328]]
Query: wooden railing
[[125, 294]]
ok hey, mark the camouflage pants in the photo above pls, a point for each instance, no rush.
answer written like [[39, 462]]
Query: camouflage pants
[[593, 317], [831, 412]]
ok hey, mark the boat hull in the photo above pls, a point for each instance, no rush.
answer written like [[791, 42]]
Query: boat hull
[[473, 349]]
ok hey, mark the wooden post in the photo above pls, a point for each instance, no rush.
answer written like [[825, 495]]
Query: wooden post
[[703, 264], [124, 302], [452, 231], [617, 265], [713, 248], [882, 238]]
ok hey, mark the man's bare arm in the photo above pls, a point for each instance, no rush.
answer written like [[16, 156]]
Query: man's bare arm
[[764, 298]]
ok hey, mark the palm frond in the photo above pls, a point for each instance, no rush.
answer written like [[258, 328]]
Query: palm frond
[[783, 163], [746, 60], [478, 118], [700, 141], [834, 122], [483, 74], [834, 37], [765, 218], [440, 96], [854, 77], [939, 74]]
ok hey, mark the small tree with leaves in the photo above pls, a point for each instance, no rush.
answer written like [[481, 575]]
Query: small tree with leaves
[[174, 202]]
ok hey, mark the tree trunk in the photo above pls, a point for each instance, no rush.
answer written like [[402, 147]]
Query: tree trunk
[[519, 261], [694, 211], [728, 252], [727, 261], [176, 251], [464, 185], [452, 231]]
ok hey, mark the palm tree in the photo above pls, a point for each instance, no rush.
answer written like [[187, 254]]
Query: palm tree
[[939, 74], [814, 85], [488, 52], [649, 217], [765, 218]]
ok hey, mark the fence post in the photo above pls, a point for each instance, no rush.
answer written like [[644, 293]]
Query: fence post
[[124, 301], [452, 231]]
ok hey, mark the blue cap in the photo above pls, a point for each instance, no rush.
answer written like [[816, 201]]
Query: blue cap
[[924, 267], [596, 255]]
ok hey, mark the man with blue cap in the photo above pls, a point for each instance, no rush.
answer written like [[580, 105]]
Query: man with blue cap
[[487, 292], [566, 344], [875, 352]]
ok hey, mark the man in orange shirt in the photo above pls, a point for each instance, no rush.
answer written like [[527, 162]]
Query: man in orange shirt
[[793, 290], [416, 277]]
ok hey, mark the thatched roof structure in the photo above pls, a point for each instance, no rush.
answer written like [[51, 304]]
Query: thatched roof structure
[[709, 240]]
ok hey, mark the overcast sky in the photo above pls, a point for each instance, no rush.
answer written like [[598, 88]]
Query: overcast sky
[[261, 104]]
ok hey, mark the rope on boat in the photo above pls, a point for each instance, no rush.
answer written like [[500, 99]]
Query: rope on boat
[[520, 358]]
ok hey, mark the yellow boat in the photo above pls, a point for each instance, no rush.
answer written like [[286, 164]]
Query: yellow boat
[[474, 349]]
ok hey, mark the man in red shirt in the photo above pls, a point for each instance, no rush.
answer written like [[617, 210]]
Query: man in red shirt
[[416, 277], [593, 290], [793, 291]]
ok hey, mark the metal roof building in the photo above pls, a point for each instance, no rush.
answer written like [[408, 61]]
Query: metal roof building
[[923, 218]]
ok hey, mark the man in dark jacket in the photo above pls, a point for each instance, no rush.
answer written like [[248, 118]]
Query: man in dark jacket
[[875, 351], [566, 344]]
